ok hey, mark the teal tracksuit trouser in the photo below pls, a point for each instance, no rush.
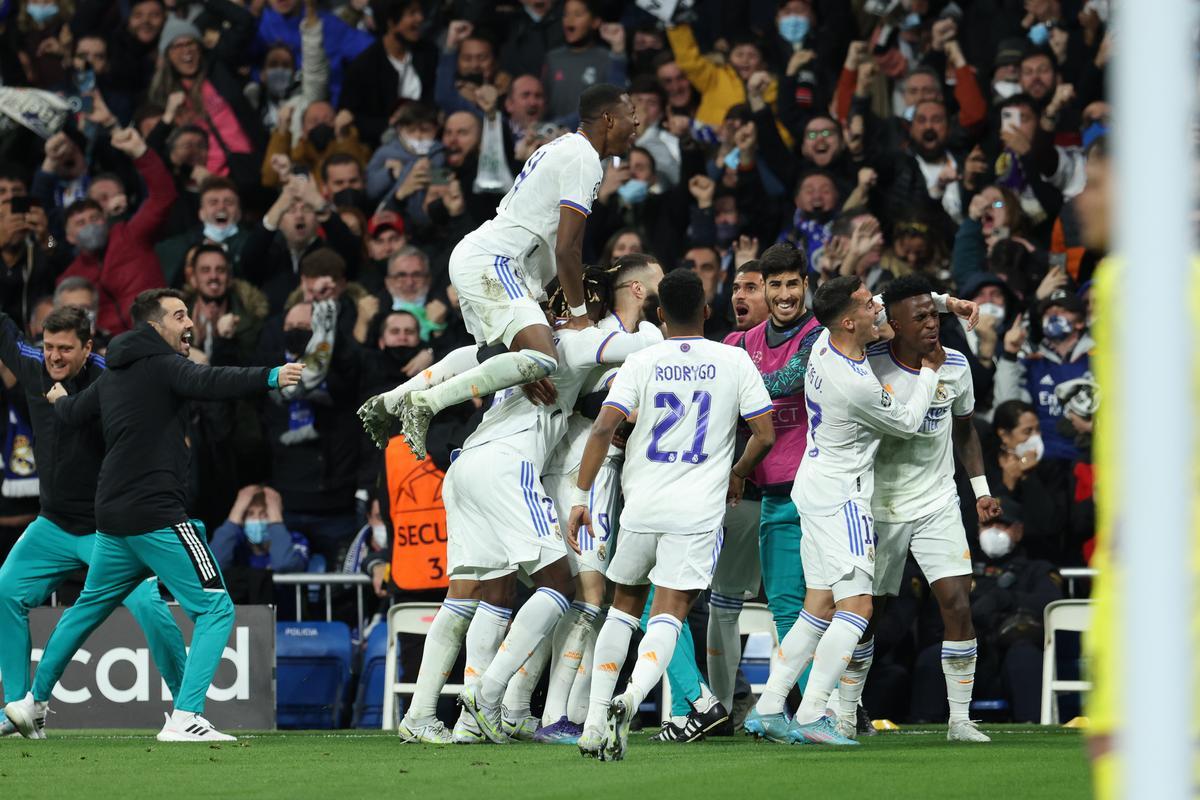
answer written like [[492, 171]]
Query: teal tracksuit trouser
[[43, 556], [779, 537], [180, 557], [682, 672]]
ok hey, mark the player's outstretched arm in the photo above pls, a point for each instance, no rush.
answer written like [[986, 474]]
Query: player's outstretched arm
[[593, 456], [762, 439], [970, 452], [568, 259]]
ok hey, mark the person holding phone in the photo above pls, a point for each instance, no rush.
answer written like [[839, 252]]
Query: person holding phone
[[26, 274]]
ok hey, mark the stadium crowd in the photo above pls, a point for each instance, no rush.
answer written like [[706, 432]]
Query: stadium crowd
[[301, 170]]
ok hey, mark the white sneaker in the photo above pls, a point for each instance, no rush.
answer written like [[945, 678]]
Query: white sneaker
[[519, 728], [424, 731], [28, 716], [847, 727], [591, 742], [466, 731], [965, 730], [184, 726]]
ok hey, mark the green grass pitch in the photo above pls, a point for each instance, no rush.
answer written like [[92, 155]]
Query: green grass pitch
[[1021, 762]]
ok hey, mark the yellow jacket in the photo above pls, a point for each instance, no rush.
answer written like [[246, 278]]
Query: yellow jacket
[[719, 85]]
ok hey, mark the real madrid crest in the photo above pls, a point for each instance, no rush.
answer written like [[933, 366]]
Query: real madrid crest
[[941, 394], [601, 553]]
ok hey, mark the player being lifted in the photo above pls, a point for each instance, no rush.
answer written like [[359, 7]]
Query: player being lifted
[[501, 269], [848, 413], [500, 521], [677, 481], [916, 501]]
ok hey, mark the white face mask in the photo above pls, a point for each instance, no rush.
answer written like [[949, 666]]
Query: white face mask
[[1033, 446], [379, 536], [993, 310], [418, 147], [1006, 89], [995, 542]]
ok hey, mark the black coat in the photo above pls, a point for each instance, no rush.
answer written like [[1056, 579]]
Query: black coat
[[371, 89], [68, 458], [141, 400]]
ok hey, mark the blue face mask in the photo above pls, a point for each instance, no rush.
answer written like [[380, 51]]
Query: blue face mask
[[634, 191], [913, 20], [793, 28], [1056, 327], [219, 233], [1039, 34], [41, 14], [256, 530]]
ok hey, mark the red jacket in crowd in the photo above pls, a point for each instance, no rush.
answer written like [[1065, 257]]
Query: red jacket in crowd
[[129, 265]]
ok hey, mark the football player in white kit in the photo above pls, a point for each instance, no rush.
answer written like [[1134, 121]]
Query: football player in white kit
[[500, 270], [634, 281], [500, 521], [677, 480], [916, 501], [848, 413]]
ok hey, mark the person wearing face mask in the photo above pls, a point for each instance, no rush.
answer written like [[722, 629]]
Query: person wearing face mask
[[119, 258], [254, 542], [1006, 71], [323, 135], [219, 222], [1010, 591], [1019, 470], [338, 44], [400, 171], [400, 66], [284, 81], [1032, 372]]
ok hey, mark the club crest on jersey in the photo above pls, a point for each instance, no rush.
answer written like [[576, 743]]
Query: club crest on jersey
[[885, 398], [601, 553], [595, 192], [941, 394]]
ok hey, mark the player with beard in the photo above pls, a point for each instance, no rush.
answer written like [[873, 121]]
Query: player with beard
[[141, 517], [501, 269], [916, 505], [779, 347], [61, 539], [749, 304]]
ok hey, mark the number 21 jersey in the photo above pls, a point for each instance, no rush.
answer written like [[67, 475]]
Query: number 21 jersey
[[689, 393]]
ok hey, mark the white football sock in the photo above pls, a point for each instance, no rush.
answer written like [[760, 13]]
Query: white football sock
[[849, 690], [581, 690], [456, 361], [442, 643], [612, 644], [829, 662], [795, 652], [724, 646], [520, 688], [571, 637], [958, 665], [498, 372], [533, 622], [654, 653], [483, 639]]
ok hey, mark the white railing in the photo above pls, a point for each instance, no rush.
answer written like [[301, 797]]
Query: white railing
[[1072, 574], [301, 580]]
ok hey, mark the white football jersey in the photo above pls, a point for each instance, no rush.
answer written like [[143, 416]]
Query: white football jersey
[[690, 392], [536, 430], [848, 413], [563, 173], [915, 477], [569, 453]]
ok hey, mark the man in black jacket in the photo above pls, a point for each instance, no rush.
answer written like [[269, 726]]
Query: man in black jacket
[[60, 540], [140, 503], [396, 69]]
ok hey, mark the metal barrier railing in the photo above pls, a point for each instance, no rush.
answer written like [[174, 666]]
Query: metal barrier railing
[[300, 580], [1072, 574]]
